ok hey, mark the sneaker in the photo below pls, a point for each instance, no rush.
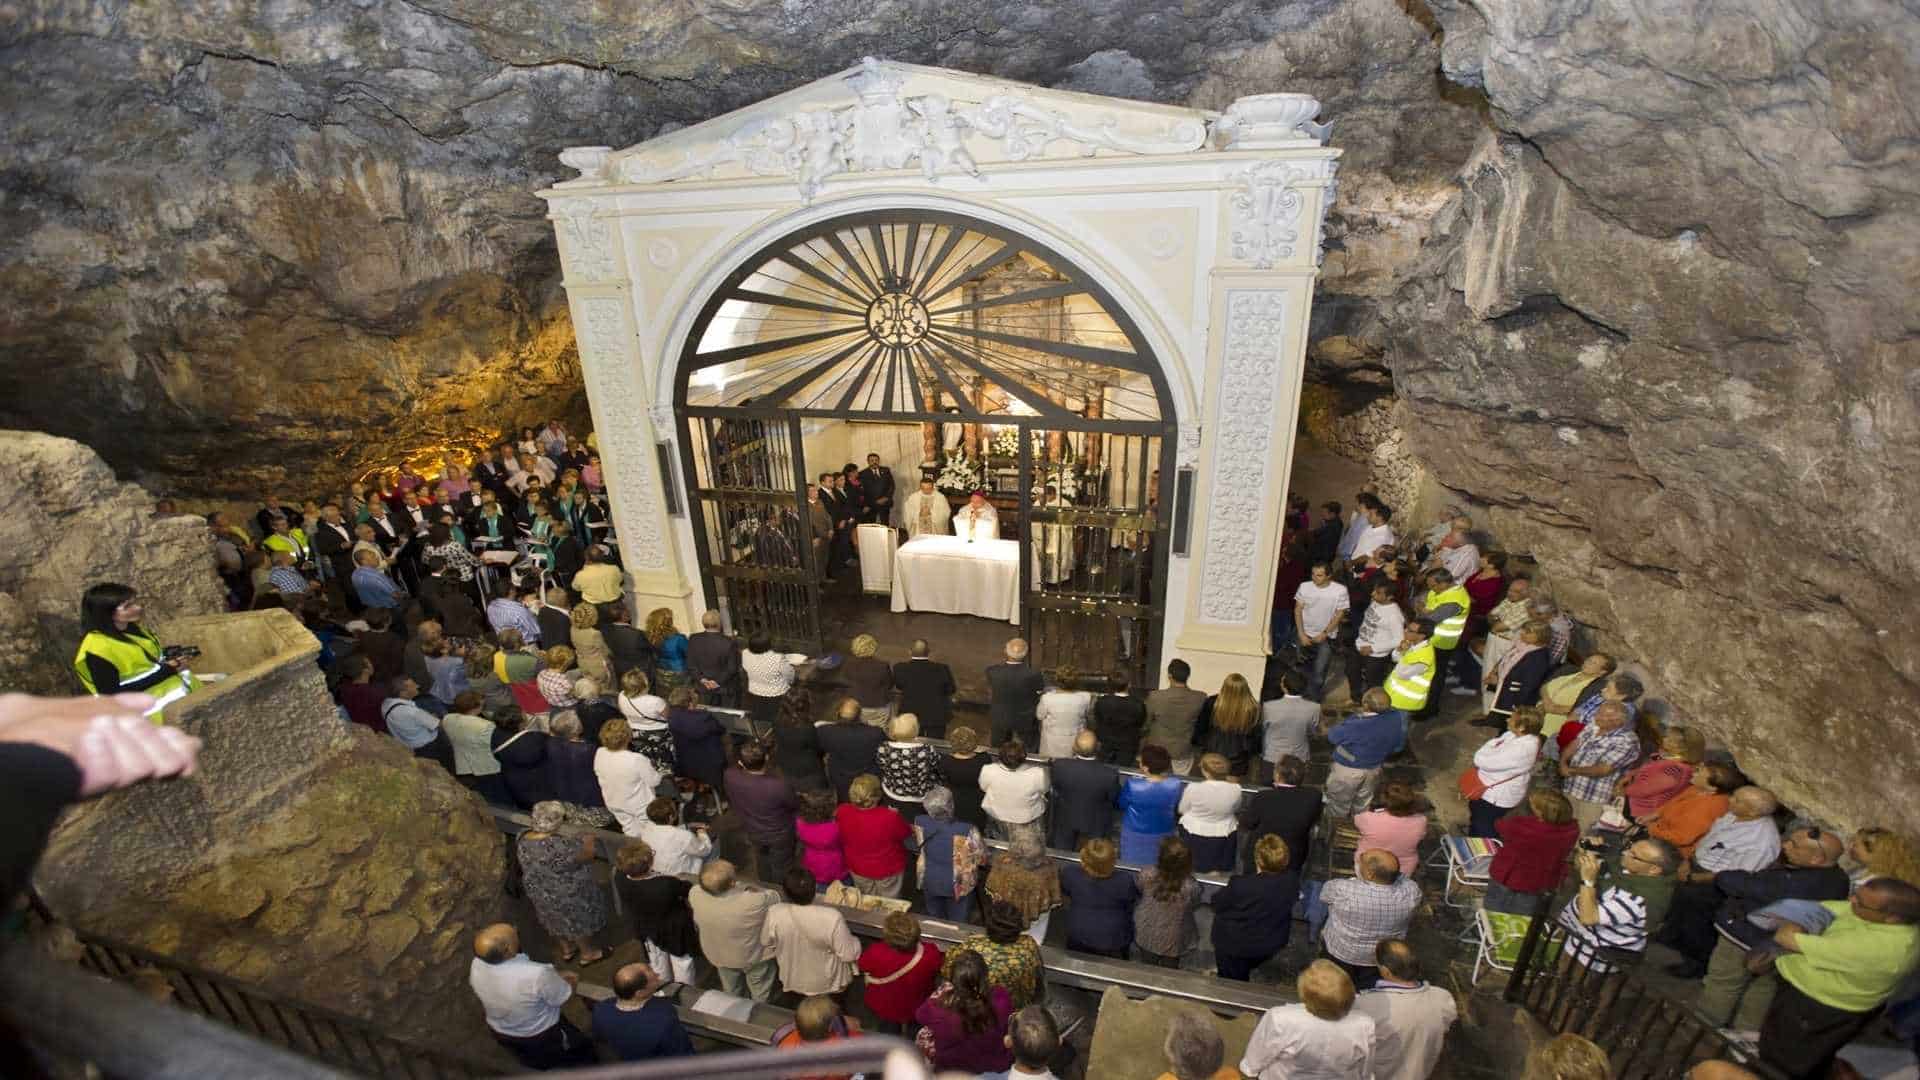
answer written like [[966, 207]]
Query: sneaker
[[1744, 1041], [1463, 691]]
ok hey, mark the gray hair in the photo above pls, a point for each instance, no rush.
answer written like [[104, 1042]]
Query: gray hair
[[1194, 1048], [938, 802], [1629, 687], [1028, 850], [565, 724], [549, 815], [586, 688]]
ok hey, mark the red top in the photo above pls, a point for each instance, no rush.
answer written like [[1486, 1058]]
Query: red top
[[1533, 854], [896, 982], [872, 840], [1568, 732], [1287, 582], [362, 702], [1653, 785], [1484, 592]]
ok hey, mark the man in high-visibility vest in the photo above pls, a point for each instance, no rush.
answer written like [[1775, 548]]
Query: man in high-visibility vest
[[1445, 604], [1411, 683], [285, 537]]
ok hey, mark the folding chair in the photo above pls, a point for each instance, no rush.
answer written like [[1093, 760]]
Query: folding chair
[[1498, 947], [1469, 861]]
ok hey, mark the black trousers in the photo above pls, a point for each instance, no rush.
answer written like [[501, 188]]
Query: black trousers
[[1238, 968], [1366, 672], [561, 1046], [772, 855], [1689, 923], [1364, 976], [1800, 1036]]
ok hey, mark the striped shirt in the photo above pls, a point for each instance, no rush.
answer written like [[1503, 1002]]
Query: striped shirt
[[1622, 925], [1618, 748]]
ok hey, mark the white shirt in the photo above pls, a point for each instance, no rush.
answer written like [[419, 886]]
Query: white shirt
[[768, 673], [676, 850], [628, 782], [1318, 605], [1372, 540], [1462, 562], [1506, 767], [939, 514], [1350, 540], [1409, 1027], [1733, 844], [1208, 808], [1382, 628], [521, 998], [1013, 796], [1291, 1043], [981, 523], [1062, 715]]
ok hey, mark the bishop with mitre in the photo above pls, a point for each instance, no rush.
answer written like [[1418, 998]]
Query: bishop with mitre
[[977, 520]]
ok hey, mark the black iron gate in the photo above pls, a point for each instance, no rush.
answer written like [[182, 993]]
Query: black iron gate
[[747, 495], [1093, 559]]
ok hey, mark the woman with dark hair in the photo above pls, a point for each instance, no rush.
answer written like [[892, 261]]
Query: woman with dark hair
[[1253, 915], [442, 544], [360, 695], [796, 747], [768, 677], [1163, 923], [119, 656], [1013, 960], [1148, 806], [1397, 822], [819, 834], [521, 750], [967, 1021]]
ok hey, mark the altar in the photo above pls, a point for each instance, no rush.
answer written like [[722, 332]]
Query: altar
[[952, 576]]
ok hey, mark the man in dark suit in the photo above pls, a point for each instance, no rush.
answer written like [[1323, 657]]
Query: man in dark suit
[[333, 541], [627, 644], [556, 621], [926, 690], [1084, 788], [1016, 690], [876, 491], [1288, 810], [842, 508], [389, 532], [1117, 718], [713, 662], [851, 747]]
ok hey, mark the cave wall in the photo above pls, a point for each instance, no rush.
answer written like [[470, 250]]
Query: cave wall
[[1637, 274]]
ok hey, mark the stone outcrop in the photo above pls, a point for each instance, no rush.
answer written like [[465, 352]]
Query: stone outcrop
[[309, 856], [68, 525], [1639, 275]]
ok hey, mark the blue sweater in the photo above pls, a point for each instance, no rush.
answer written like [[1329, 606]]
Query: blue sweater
[[1366, 740]]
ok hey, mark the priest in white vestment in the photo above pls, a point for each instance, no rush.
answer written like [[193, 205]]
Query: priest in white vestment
[[927, 512], [1052, 545], [977, 520]]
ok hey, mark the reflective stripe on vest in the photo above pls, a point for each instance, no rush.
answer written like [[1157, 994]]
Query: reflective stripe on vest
[[1409, 692], [134, 657], [1447, 634]]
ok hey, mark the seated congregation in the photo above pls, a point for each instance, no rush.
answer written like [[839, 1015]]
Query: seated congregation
[[1112, 825]]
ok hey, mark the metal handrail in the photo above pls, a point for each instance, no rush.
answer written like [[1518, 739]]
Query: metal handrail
[[1646, 1034]]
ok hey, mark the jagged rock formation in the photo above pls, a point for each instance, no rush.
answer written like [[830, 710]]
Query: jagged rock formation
[[1638, 274], [309, 856], [68, 525]]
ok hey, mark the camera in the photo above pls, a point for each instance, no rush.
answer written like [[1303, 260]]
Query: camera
[[179, 652]]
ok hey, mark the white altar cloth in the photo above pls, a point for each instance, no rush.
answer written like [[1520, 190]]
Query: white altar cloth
[[950, 575], [876, 545]]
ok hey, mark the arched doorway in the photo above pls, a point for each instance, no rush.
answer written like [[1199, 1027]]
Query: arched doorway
[[1023, 375]]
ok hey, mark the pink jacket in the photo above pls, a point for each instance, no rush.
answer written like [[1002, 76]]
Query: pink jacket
[[820, 850]]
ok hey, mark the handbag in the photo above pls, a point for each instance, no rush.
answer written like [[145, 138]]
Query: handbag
[[1471, 785]]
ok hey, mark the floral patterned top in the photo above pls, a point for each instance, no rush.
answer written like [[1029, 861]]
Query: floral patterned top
[[1015, 966], [907, 769], [655, 740]]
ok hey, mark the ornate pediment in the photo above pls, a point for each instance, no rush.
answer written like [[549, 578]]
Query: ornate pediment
[[883, 116]]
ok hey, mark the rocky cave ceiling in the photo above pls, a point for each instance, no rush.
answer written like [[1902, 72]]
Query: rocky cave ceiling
[[1640, 269]]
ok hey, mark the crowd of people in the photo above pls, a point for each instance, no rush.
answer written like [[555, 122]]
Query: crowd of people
[[544, 694]]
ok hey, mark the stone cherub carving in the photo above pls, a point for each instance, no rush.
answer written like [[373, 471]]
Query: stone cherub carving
[[943, 140], [818, 133]]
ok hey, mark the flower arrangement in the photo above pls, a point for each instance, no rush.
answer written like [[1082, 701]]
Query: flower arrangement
[[1064, 478], [959, 474]]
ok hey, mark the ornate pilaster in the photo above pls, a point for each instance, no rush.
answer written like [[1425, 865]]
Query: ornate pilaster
[[1253, 361]]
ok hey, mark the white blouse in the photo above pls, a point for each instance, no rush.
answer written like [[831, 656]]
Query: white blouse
[[1015, 796], [1209, 808], [1506, 767], [768, 673], [1062, 715]]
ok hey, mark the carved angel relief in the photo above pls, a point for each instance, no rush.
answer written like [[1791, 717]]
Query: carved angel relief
[[886, 130]]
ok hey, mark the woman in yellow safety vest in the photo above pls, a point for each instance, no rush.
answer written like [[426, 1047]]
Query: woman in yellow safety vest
[[119, 656]]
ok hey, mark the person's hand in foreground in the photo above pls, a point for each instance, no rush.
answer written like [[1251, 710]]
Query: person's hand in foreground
[[110, 738]]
